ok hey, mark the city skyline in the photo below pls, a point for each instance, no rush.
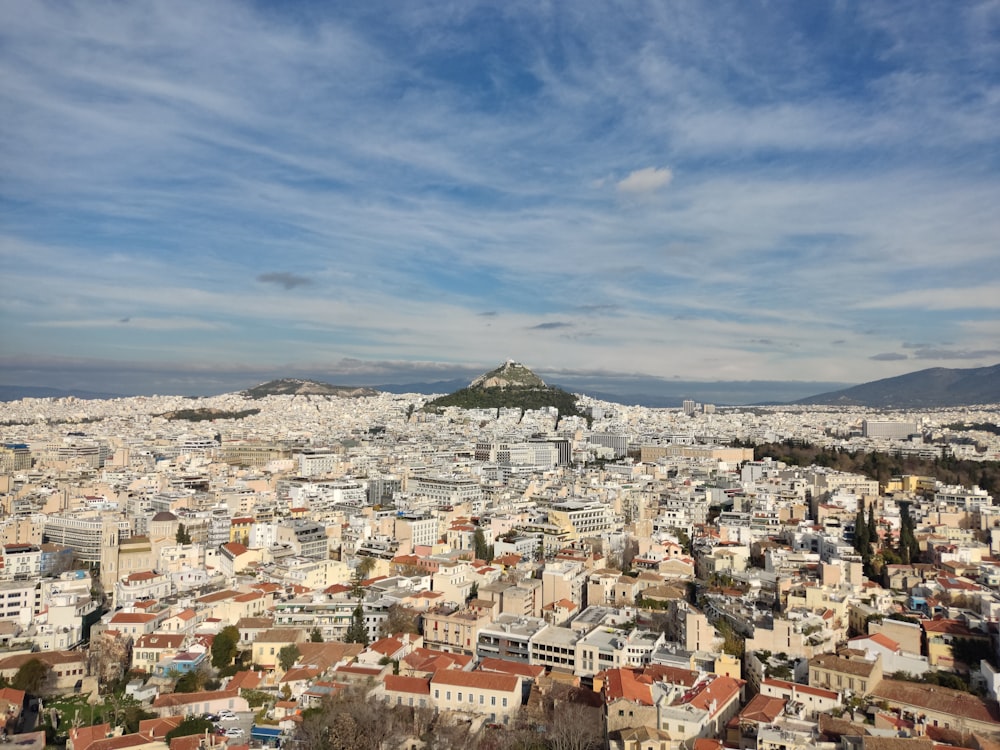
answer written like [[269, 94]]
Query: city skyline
[[730, 192]]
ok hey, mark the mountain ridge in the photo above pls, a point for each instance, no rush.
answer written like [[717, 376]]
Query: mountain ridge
[[306, 387], [932, 387]]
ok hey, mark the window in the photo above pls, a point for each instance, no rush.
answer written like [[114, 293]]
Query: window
[[493, 700], [481, 699], [447, 695], [437, 693], [505, 703], [460, 697]]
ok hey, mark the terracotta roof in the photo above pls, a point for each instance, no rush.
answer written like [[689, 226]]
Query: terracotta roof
[[794, 687], [715, 695], [477, 680], [626, 684], [528, 671], [143, 575], [245, 679], [117, 743], [880, 638], [158, 728], [940, 699], [160, 640], [763, 709], [401, 684], [84, 737], [132, 618]]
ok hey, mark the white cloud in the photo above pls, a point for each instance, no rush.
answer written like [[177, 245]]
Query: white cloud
[[646, 180]]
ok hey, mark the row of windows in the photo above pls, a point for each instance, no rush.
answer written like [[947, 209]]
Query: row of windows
[[447, 697]]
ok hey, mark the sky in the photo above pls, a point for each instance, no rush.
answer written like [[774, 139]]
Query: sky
[[198, 196]]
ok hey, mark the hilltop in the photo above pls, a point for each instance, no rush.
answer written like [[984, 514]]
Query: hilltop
[[509, 386], [299, 387], [934, 387]]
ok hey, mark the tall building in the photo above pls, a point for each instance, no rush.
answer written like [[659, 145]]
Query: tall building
[[878, 428]]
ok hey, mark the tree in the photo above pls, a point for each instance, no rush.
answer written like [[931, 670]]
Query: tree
[[862, 543], [574, 726], [183, 536], [357, 632], [482, 549], [400, 620], [224, 646], [191, 725], [349, 721], [188, 682], [365, 567], [31, 677], [872, 526], [316, 635], [287, 656], [107, 657], [909, 547]]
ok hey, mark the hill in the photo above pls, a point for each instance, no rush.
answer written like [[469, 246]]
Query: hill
[[298, 387], [934, 387], [510, 386]]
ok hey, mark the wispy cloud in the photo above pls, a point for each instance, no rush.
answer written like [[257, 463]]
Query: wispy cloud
[[888, 357], [284, 279], [550, 326], [420, 178]]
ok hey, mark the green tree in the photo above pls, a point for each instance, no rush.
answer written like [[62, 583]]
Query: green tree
[[191, 725], [356, 631], [365, 567], [862, 542], [183, 536], [682, 538], [733, 643], [316, 635], [482, 549], [31, 676], [224, 646], [909, 547], [189, 682], [872, 526], [288, 655]]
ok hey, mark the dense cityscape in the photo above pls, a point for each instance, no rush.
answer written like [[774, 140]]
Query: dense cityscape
[[499, 375], [273, 569]]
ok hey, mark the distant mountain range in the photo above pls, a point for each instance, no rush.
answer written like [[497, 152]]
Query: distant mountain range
[[934, 387], [300, 387], [17, 392], [927, 388]]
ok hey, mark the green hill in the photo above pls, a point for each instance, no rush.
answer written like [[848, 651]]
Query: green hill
[[510, 386]]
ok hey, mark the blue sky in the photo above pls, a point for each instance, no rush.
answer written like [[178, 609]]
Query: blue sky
[[196, 195]]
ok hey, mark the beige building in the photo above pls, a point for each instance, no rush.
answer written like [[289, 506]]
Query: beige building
[[267, 647], [455, 630], [495, 696], [848, 671]]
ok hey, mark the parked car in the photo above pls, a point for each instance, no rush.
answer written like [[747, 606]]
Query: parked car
[[211, 717], [226, 715], [234, 732]]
